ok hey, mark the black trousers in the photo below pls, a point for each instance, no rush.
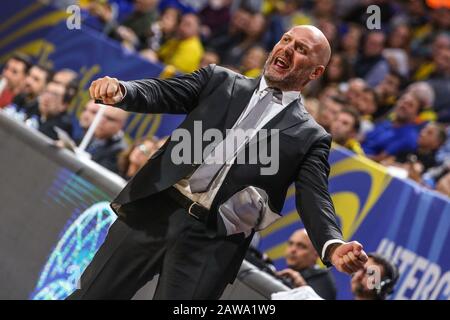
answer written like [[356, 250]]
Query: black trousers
[[158, 236]]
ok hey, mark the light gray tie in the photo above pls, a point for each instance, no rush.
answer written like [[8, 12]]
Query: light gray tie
[[202, 178]]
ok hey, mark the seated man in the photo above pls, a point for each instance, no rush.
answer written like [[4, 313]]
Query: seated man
[[52, 110], [108, 141], [302, 269], [36, 81], [392, 137], [345, 128], [375, 282], [13, 77]]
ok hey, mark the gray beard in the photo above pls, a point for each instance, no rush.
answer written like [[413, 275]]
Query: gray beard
[[288, 83]]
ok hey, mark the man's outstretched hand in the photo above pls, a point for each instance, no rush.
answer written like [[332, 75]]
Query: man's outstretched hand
[[106, 89], [348, 257]]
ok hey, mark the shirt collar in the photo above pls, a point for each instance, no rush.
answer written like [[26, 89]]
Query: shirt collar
[[288, 96]]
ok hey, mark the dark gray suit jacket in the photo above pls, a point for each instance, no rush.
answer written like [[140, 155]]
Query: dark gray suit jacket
[[217, 96]]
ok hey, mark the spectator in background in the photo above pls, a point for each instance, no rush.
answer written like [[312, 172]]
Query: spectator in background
[[65, 76], [223, 41], [337, 72], [135, 156], [252, 36], [215, 17], [324, 9], [185, 51], [429, 64], [302, 269], [52, 110], [253, 62], [209, 57], [330, 91], [400, 37], [35, 83], [136, 28], [439, 80], [359, 96], [437, 21], [387, 92], [350, 42], [364, 282], [108, 141], [85, 121], [392, 137], [165, 28], [13, 78], [367, 106], [370, 64], [345, 128], [329, 109], [355, 91], [425, 93]]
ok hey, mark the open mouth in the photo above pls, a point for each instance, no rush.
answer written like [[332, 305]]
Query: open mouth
[[281, 63]]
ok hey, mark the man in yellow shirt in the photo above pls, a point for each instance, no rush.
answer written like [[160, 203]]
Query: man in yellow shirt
[[185, 51], [344, 130]]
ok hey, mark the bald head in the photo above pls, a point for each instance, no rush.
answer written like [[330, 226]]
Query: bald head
[[300, 56], [322, 48], [300, 252]]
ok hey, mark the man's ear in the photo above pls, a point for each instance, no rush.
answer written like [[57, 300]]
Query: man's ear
[[318, 71]]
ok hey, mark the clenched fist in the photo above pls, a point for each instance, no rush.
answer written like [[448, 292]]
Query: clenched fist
[[348, 257], [106, 89]]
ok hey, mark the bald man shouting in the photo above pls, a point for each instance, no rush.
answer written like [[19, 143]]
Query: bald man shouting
[[190, 213]]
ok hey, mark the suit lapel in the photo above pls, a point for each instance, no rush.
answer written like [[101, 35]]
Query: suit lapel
[[293, 114], [241, 94]]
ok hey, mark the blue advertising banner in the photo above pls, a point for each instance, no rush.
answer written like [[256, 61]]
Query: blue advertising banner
[[397, 218], [23, 25]]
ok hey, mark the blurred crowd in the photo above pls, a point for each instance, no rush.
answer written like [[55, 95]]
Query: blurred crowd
[[385, 94]]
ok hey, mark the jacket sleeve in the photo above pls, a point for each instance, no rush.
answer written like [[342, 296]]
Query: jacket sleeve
[[177, 95], [313, 200]]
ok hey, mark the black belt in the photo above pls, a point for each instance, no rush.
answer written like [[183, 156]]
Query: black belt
[[193, 208]]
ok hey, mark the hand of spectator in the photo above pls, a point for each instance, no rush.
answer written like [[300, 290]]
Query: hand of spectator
[[295, 276], [348, 257], [127, 35], [106, 89], [101, 11], [415, 171]]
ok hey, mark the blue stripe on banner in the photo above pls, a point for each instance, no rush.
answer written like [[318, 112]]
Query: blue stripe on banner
[[419, 220], [440, 234], [399, 212]]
